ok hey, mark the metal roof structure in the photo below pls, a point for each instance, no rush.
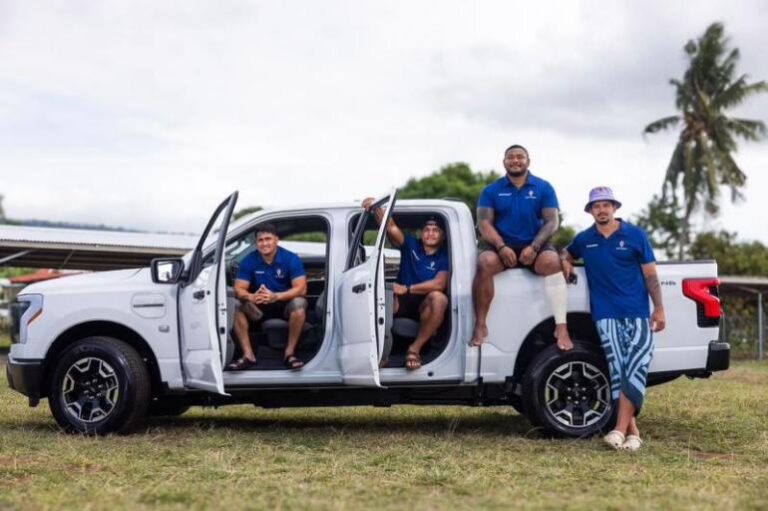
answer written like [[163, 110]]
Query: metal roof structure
[[756, 286], [736, 282], [81, 249], [94, 250]]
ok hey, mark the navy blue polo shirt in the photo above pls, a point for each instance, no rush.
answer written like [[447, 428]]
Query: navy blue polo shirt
[[616, 283], [518, 211], [416, 265], [277, 276]]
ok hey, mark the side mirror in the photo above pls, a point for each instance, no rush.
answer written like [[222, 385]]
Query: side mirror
[[166, 271]]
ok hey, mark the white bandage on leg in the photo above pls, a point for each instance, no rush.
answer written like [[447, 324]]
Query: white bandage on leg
[[556, 290]]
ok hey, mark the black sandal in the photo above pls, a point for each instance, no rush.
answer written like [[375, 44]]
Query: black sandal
[[412, 360], [293, 363], [241, 364]]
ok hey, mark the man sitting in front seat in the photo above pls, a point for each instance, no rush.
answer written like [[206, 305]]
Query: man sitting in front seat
[[270, 283], [421, 283]]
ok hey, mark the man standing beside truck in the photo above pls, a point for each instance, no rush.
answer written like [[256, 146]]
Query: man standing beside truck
[[422, 280], [621, 270], [517, 216], [270, 283]]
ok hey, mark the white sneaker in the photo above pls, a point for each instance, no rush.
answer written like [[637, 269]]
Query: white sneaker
[[632, 443], [614, 439]]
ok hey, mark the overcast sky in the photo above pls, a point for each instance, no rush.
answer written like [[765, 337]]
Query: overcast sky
[[147, 114]]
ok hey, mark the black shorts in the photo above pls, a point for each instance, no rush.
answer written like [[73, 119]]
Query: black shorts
[[274, 310], [409, 306], [277, 310], [485, 247]]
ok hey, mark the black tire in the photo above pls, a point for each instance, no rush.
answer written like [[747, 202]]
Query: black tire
[[166, 407], [516, 402], [568, 394], [99, 385]]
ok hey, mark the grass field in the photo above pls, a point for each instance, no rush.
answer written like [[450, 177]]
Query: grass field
[[706, 448], [5, 342]]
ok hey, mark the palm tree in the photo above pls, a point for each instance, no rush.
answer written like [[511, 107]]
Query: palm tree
[[703, 157]]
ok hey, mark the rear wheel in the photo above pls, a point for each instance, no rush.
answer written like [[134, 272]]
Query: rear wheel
[[99, 385], [569, 393]]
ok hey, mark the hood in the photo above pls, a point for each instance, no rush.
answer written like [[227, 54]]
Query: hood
[[99, 281]]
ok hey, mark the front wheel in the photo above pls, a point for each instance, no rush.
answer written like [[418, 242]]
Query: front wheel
[[569, 393], [99, 385]]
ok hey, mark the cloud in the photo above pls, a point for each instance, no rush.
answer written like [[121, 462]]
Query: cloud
[[603, 80], [147, 114]]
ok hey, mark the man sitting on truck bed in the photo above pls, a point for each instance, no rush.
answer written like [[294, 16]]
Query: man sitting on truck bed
[[517, 216], [270, 283], [422, 280]]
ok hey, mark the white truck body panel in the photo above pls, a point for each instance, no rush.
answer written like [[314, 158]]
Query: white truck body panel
[[519, 305]]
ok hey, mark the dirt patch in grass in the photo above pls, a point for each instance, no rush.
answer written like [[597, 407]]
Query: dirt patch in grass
[[707, 456], [744, 375], [17, 462]]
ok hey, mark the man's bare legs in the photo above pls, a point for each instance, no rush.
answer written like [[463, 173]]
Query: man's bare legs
[[548, 263], [488, 265], [431, 316], [241, 332], [296, 319], [626, 423], [296, 311]]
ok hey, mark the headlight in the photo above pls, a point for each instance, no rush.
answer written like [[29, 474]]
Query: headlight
[[24, 311]]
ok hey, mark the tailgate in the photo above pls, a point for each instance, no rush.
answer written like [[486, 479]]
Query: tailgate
[[692, 310]]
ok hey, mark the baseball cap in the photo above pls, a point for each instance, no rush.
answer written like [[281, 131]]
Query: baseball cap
[[434, 220]]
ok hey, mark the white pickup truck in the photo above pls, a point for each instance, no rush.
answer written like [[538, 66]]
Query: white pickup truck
[[108, 348]]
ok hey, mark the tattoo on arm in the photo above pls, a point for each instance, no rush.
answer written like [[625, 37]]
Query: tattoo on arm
[[485, 214], [654, 289], [549, 228], [485, 218]]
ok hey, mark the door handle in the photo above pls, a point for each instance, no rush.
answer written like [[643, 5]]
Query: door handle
[[198, 295], [358, 288]]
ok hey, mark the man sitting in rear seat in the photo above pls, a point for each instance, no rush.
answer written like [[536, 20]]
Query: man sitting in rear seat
[[421, 283], [270, 283]]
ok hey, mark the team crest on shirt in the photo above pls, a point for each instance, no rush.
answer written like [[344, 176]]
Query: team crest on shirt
[[279, 273], [531, 195], [432, 265], [622, 246]]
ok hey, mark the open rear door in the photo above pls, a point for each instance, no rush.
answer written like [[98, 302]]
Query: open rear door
[[361, 303], [203, 307]]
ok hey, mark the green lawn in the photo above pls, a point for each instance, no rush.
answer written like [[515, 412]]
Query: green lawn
[[5, 341], [706, 448]]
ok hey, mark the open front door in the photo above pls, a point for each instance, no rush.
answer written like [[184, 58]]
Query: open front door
[[203, 307], [361, 303]]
